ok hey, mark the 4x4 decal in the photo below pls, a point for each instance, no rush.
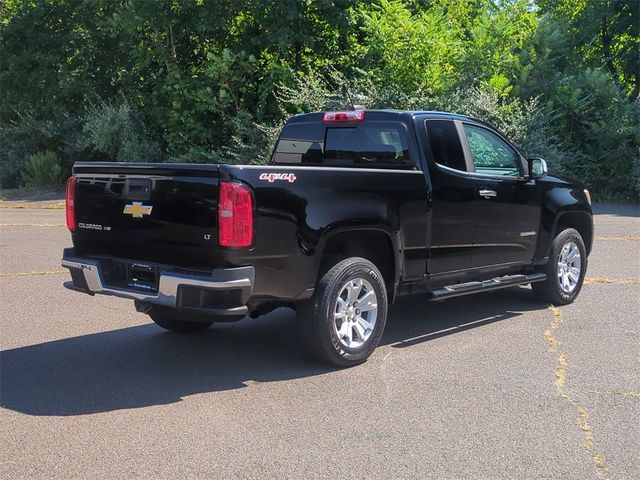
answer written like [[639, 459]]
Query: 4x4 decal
[[272, 177]]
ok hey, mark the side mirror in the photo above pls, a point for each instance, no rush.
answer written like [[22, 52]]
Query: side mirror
[[537, 167]]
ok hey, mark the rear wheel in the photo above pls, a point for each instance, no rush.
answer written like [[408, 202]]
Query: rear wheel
[[344, 321], [565, 269], [181, 326]]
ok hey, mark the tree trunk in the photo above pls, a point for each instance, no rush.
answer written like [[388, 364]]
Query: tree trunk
[[298, 55], [606, 37], [172, 42], [636, 88]]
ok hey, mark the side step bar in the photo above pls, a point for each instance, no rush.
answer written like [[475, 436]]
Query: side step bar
[[485, 286]]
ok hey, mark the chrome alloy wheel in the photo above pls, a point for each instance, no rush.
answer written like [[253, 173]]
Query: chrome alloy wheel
[[569, 265], [355, 313]]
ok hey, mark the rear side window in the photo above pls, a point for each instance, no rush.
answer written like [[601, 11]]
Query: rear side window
[[373, 144], [445, 144], [299, 143]]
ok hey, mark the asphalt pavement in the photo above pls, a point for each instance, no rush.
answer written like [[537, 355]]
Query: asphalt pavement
[[492, 386]]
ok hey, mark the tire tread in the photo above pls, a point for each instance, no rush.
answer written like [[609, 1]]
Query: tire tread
[[549, 290], [312, 317]]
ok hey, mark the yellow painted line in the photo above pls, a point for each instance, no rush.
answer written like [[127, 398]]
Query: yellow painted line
[[628, 238], [49, 206], [560, 374], [32, 225], [610, 281], [26, 274]]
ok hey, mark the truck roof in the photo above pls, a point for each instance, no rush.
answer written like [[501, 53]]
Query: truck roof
[[381, 114]]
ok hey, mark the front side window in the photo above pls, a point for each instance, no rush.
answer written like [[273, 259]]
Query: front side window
[[491, 155]]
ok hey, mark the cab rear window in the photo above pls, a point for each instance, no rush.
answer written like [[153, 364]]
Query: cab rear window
[[369, 144]]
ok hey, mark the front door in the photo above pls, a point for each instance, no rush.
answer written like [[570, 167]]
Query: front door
[[506, 205]]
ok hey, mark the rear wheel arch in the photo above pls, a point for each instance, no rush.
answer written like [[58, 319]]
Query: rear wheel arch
[[374, 244]]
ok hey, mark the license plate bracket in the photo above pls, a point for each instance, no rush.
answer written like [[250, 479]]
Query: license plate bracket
[[143, 276]]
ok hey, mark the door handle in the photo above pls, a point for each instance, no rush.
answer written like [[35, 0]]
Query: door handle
[[488, 193]]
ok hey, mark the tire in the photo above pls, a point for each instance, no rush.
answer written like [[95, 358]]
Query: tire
[[333, 328], [560, 287], [180, 326]]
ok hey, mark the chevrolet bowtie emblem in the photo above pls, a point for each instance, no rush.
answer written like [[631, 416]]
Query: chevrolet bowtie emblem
[[137, 210]]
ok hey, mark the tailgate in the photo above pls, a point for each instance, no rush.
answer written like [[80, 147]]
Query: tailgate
[[163, 213]]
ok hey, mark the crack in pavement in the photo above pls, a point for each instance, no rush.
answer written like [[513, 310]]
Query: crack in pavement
[[610, 281], [626, 238], [25, 274], [32, 225], [622, 393], [583, 414]]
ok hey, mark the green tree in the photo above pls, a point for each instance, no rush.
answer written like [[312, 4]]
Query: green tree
[[417, 50], [210, 80], [604, 33]]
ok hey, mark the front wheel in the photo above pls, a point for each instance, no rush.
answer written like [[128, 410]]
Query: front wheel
[[565, 269], [344, 321]]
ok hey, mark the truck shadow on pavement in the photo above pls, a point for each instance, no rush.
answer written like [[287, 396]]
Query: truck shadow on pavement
[[144, 366]]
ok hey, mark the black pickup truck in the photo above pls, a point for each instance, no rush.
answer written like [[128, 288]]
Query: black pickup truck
[[356, 208]]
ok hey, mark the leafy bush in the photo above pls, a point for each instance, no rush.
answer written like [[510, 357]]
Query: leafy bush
[[116, 132], [608, 148], [27, 135], [586, 106], [42, 170], [332, 90], [251, 142], [105, 131], [526, 123], [196, 155]]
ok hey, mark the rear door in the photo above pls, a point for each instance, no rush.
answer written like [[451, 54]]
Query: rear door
[[450, 238], [149, 212], [506, 206]]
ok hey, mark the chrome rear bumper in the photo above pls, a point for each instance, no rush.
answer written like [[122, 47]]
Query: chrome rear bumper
[[175, 290]]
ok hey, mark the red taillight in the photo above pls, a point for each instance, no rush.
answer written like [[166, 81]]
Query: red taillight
[[235, 215], [70, 204], [348, 116]]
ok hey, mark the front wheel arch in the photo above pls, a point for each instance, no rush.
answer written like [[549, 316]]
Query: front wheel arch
[[582, 222]]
